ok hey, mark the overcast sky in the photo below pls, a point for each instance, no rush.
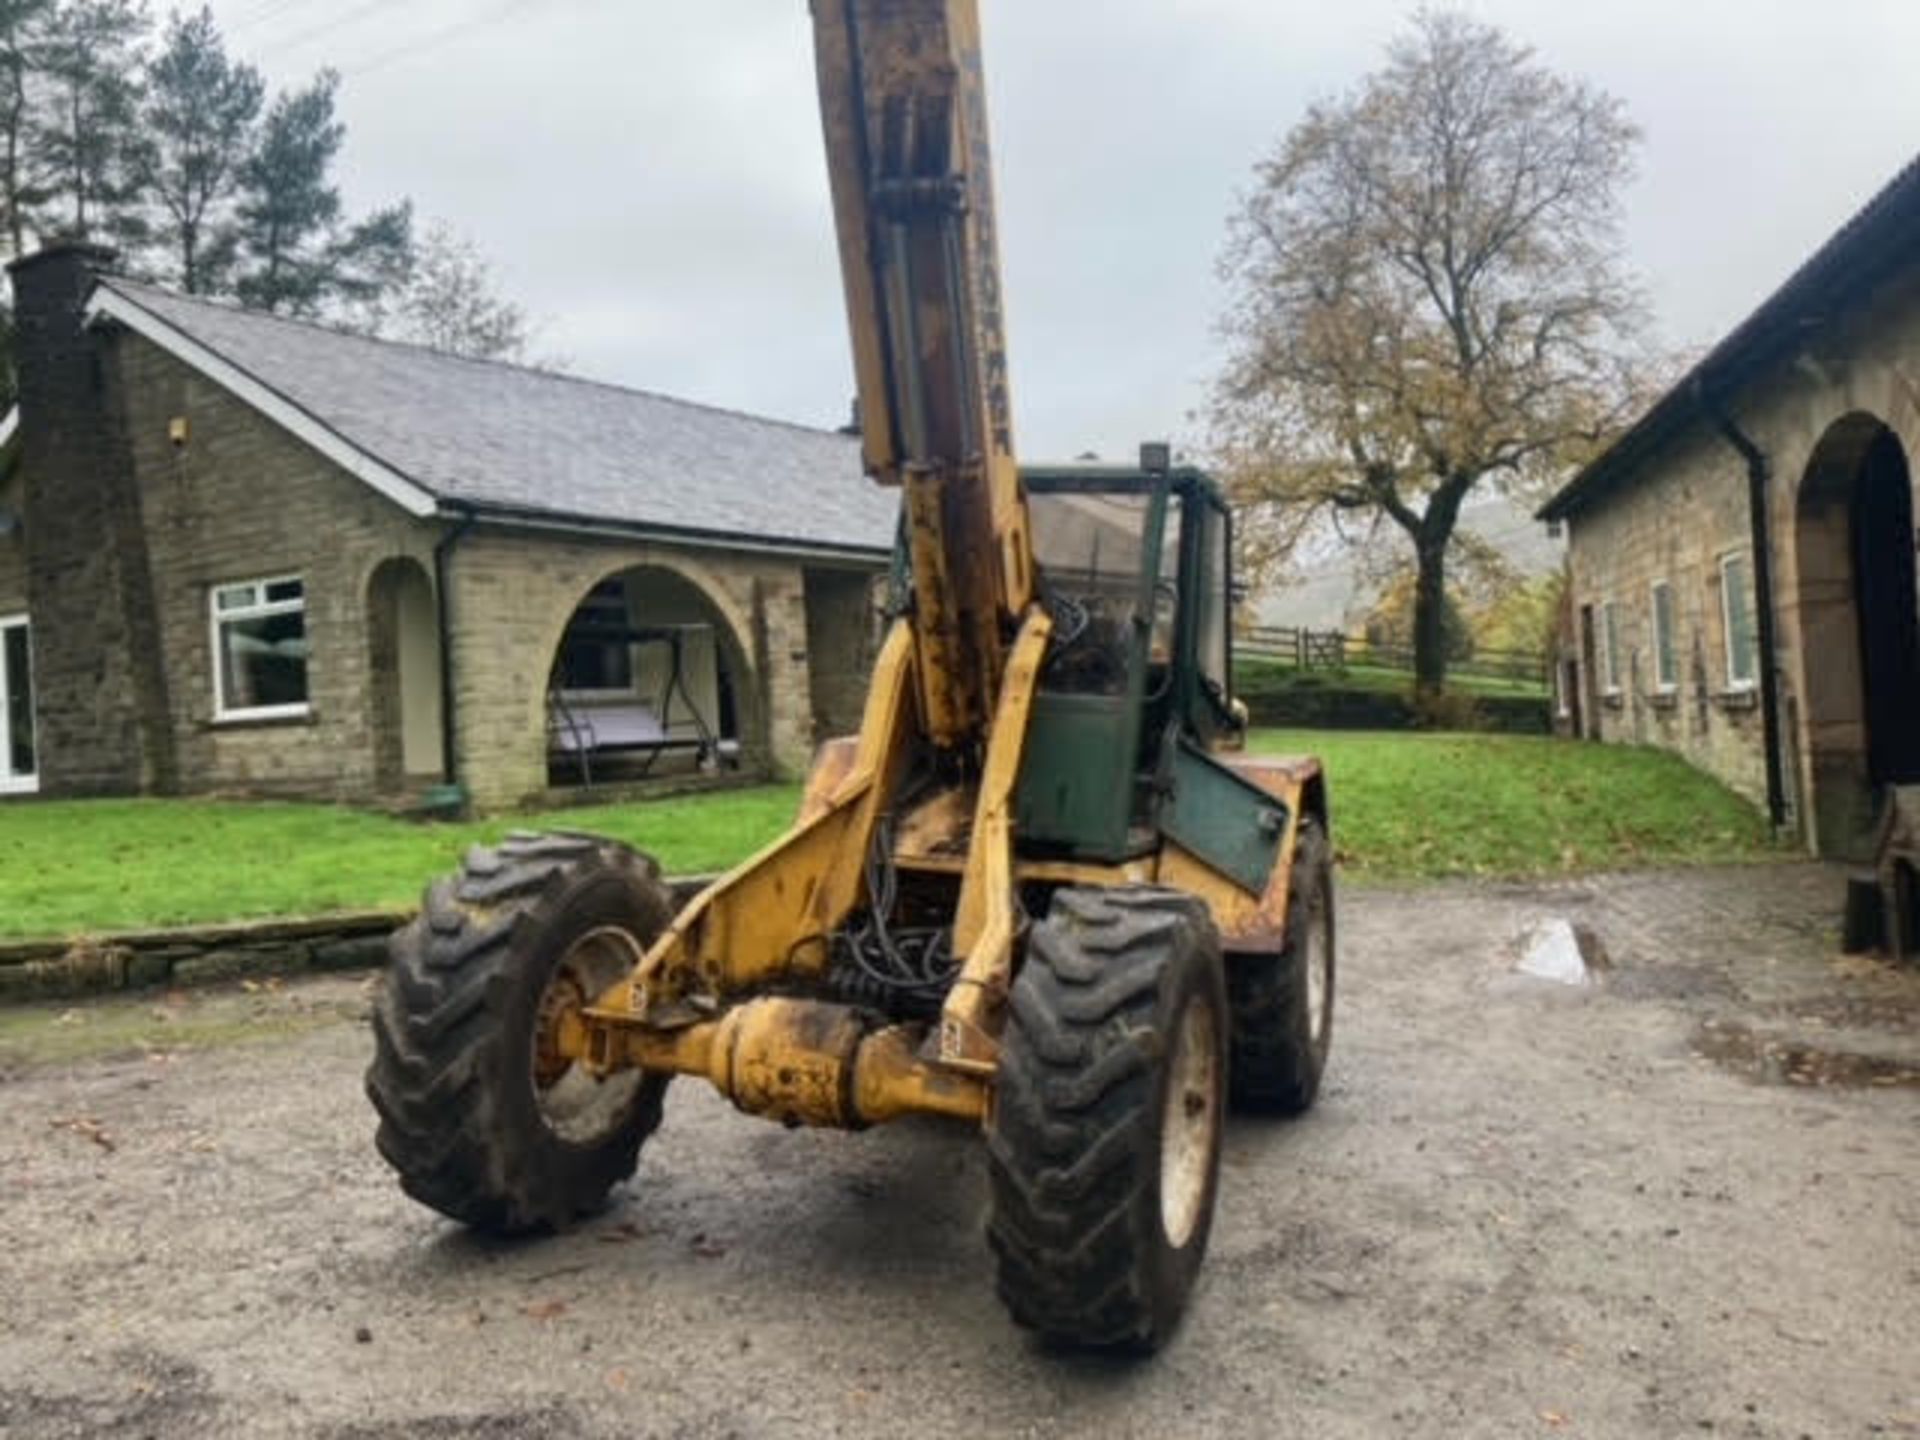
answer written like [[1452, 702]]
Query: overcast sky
[[648, 179]]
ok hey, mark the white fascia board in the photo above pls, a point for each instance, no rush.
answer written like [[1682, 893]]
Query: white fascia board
[[109, 304]]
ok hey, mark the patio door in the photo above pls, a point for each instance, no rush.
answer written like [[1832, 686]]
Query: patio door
[[17, 768]]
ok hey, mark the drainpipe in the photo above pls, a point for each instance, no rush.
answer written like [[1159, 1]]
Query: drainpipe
[[1758, 470], [442, 554]]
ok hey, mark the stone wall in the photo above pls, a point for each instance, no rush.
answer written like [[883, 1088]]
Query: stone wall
[[512, 595], [241, 500], [1856, 372], [1675, 528], [842, 639]]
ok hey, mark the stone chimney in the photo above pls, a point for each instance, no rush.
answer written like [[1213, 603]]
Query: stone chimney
[[103, 721]]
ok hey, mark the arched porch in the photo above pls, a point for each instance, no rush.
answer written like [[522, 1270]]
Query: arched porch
[[649, 678], [1859, 626]]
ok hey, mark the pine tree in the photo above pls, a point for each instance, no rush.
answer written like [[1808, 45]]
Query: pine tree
[[24, 26], [296, 254], [81, 131], [197, 127]]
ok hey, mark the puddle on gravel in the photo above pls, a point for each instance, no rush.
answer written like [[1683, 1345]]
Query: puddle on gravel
[[1774, 1060], [1558, 950]]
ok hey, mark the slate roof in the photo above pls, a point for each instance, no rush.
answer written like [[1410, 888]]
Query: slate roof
[[1876, 242], [511, 441]]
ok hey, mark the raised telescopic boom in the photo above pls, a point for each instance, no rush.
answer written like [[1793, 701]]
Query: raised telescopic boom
[[904, 105]]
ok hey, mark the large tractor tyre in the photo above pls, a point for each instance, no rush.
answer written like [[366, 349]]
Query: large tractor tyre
[[1283, 999], [1104, 1139], [481, 1116]]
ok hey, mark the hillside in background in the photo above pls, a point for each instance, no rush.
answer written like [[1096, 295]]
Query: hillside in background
[[1336, 584]]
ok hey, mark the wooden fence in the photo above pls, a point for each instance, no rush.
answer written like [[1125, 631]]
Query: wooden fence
[[1332, 650]]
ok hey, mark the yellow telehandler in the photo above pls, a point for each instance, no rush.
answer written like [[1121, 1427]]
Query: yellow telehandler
[[1041, 891]]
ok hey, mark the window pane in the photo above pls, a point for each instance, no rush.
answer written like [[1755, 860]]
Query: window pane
[[1611, 614], [1742, 646], [1666, 663], [19, 691], [596, 653], [234, 597], [1213, 597], [284, 590], [589, 664], [1090, 550], [263, 661]]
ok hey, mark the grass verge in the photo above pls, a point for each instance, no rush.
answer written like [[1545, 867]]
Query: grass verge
[[1429, 806]]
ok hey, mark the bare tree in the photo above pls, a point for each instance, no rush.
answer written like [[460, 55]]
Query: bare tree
[[1428, 294], [449, 302]]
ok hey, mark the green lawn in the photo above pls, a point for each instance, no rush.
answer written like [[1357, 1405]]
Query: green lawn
[[1424, 806], [99, 865], [1405, 807]]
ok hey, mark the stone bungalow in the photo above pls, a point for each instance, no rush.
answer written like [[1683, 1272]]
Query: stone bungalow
[[1742, 561], [240, 554]]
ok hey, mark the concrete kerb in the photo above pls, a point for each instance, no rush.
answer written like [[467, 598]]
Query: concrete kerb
[[79, 965]]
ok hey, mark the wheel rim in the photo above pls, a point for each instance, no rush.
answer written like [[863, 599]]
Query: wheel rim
[[1319, 963], [1190, 1126], [577, 1105]]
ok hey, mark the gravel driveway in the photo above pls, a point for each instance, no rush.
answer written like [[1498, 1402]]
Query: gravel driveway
[[1683, 1201]]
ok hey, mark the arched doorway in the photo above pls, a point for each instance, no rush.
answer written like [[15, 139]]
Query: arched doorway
[[404, 668], [649, 679], [1859, 629]]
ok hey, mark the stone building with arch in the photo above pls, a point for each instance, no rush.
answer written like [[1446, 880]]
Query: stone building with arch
[[1741, 562], [241, 554]]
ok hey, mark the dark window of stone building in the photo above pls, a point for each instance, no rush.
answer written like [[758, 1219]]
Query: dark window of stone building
[[596, 653], [260, 649], [1666, 663], [16, 707], [1736, 610]]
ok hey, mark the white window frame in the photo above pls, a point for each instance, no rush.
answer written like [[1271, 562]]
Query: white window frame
[[222, 712], [18, 784], [1735, 682], [1609, 648], [1663, 646]]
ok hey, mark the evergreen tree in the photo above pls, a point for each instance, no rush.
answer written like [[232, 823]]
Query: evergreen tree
[[372, 261], [297, 256], [197, 127], [24, 26], [289, 207], [81, 130]]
